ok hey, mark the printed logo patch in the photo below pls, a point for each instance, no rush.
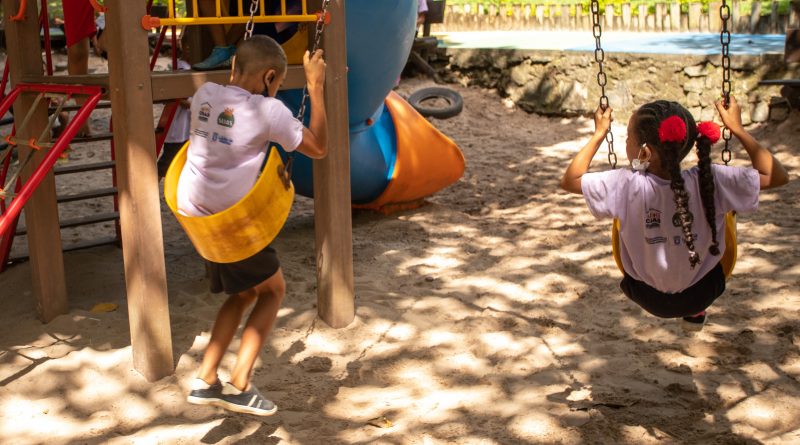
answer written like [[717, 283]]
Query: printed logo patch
[[221, 139], [201, 133], [205, 112], [226, 118], [656, 240], [653, 219], [676, 218]]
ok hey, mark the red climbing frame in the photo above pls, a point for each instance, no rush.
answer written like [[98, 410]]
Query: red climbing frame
[[9, 216]]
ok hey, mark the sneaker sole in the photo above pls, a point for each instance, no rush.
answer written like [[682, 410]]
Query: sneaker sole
[[201, 400], [693, 327], [244, 409]]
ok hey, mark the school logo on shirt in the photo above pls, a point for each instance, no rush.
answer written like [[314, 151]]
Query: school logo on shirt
[[226, 118], [205, 112], [201, 133], [676, 218], [216, 137], [652, 219]]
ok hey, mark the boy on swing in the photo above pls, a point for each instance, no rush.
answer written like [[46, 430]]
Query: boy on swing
[[230, 131]]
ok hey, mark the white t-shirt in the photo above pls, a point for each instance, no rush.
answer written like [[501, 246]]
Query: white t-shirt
[[180, 128], [230, 132], [422, 6], [651, 245]]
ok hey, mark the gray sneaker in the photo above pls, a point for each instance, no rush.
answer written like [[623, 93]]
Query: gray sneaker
[[204, 394], [247, 402]]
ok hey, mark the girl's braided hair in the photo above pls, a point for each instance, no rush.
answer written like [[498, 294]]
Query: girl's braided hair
[[649, 130]]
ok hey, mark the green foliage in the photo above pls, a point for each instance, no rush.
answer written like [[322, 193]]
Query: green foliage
[[745, 5]]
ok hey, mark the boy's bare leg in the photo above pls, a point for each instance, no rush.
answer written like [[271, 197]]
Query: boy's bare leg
[[259, 324], [228, 318]]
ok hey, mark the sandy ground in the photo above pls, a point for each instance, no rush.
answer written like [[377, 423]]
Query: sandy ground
[[491, 315]]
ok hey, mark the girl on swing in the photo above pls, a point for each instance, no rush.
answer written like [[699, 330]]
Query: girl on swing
[[671, 218]]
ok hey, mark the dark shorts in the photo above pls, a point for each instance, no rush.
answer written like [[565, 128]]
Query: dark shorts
[[689, 302], [78, 20], [169, 152], [233, 278]]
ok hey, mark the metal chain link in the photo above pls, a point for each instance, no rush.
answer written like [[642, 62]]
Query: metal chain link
[[248, 33], [318, 31], [725, 40], [602, 78]]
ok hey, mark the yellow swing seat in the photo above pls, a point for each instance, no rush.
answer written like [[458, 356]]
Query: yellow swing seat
[[247, 227], [728, 259]]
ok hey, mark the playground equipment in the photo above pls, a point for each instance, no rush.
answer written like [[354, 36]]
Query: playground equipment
[[132, 90], [397, 157], [167, 115], [728, 258]]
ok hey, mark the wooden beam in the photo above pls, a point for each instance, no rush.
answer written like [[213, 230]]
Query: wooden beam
[[175, 85], [100, 80], [41, 211], [168, 84], [333, 219], [139, 204]]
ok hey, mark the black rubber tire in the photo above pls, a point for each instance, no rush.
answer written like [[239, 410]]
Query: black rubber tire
[[453, 97]]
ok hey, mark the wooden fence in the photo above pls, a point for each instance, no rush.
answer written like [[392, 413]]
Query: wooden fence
[[666, 17]]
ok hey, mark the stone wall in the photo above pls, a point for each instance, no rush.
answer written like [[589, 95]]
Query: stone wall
[[564, 83]]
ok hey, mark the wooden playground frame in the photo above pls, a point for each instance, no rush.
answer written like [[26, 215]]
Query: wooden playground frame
[[132, 90]]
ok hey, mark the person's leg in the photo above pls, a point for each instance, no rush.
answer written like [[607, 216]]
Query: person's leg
[[220, 56], [270, 295], [225, 326], [208, 8]]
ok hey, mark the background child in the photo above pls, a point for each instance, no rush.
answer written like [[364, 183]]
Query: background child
[[667, 214], [231, 128], [179, 130]]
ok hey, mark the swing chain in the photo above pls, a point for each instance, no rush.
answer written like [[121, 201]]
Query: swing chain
[[602, 78], [319, 29], [725, 40], [248, 33]]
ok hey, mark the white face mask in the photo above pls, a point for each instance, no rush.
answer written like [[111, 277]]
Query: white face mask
[[638, 164]]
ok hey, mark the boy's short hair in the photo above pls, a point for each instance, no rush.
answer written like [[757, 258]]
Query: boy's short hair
[[258, 53]]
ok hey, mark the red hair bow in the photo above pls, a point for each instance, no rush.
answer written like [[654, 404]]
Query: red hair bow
[[672, 129], [709, 130]]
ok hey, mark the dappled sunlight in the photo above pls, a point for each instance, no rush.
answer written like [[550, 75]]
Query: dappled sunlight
[[492, 315]]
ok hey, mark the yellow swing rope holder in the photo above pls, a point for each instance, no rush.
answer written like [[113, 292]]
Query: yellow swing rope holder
[[149, 22], [251, 224]]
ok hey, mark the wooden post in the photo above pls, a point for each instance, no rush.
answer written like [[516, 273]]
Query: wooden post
[[41, 211], [714, 21], [564, 17], [661, 10], [642, 17], [332, 209], [526, 17], [695, 10], [675, 16], [755, 16], [139, 204], [626, 16], [773, 18], [539, 16], [609, 20]]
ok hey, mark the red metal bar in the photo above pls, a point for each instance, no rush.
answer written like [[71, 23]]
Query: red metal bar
[[7, 240], [157, 48], [4, 82], [174, 48], [8, 101], [48, 51], [52, 156], [23, 5]]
